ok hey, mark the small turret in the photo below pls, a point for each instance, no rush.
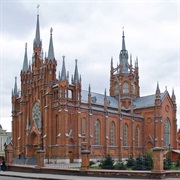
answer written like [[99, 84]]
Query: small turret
[[89, 95], [105, 100], [158, 93], [63, 72], [51, 48], [76, 75], [89, 89], [25, 63], [158, 101], [111, 62], [173, 97], [15, 93]]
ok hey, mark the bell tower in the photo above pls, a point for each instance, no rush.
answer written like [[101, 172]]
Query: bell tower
[[124, 79]]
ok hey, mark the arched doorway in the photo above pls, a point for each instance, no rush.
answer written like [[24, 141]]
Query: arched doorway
[[33, 144]]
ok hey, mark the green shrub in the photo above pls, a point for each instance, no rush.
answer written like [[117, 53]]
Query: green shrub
[[91, 163], [168, 161], [178, 161], [130, 162], [120, 165], [107, 162]]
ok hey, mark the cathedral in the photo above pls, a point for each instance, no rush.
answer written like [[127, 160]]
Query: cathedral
[[52, 112]]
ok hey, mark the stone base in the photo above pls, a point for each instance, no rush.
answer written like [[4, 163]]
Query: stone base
[[85, 159], [40, 157], [158, 159]]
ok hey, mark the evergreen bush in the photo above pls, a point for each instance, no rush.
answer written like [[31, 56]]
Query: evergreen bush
[[120, 165], [178, 161], [130, 162], [107, 162], [168, 161]]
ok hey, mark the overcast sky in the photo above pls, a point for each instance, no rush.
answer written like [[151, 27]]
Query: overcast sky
[[91, 31]]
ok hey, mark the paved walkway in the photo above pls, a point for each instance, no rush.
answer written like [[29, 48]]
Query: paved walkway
[[58, 177]]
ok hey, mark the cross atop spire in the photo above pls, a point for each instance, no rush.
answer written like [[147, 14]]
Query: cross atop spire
[[38, 9]]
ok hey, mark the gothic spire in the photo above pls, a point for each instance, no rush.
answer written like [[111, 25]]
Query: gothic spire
[[37, 40], [15, 87], [59, 76], [51, 48], [89, 89], [173, 95], [111, 62], [76, 75], [105, 96], [25, 63], [157, 89], [63, 71], [123, 56], [123, 41]]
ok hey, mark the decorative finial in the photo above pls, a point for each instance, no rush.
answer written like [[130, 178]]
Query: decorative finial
[[38, 9], [123, 30], [63, 57], [25, 45], [51, 30]]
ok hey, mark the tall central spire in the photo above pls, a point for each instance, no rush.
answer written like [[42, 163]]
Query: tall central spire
[[37, 40], [123, 56], [123, 41]]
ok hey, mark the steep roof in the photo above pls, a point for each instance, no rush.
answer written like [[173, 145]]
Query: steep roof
[[147, 101], [113, 102], [141, 102]]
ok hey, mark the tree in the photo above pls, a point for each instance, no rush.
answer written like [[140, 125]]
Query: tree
[[168, 161], [139, 163], [178, 161], [120, 165], [143, 162], [107, 162], [148, 161], [130, 162]]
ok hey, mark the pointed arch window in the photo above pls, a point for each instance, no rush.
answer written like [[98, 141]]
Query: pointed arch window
[[125, 135], [83, 126], [97, 132], [166, 133], [112, 134], [137, 136], [125, 88]]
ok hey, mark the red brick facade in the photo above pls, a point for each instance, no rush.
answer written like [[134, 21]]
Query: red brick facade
[[56, 115]]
